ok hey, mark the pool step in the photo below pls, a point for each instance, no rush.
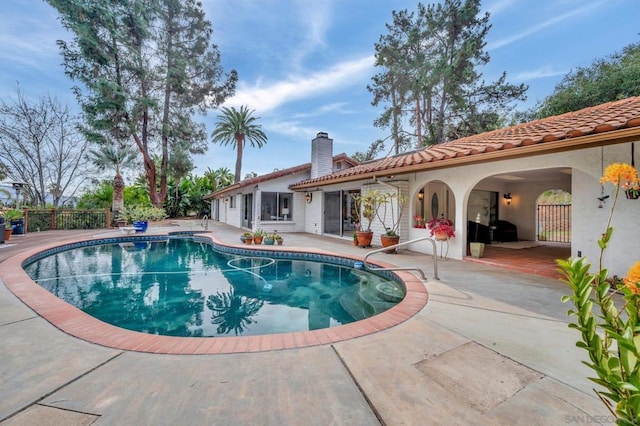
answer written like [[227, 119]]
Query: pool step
[[365, 301]]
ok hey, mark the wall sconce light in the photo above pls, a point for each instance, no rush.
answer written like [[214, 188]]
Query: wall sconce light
[[308, 197], [507, 196], [421, 195]]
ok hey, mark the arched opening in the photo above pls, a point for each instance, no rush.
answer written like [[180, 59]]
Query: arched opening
[[523, 218], [553, 216], [434, 199]]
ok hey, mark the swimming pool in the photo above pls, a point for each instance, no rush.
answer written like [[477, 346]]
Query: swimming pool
[[183, 286]]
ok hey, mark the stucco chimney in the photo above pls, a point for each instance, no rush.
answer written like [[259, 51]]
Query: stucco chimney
[[321, 155]]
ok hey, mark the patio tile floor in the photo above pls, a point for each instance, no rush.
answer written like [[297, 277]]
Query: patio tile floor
[[538, 260]]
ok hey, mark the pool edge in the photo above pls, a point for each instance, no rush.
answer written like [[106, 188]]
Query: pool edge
[[74, 322]]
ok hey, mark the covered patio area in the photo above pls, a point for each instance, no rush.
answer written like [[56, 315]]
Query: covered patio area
[[537, 259]]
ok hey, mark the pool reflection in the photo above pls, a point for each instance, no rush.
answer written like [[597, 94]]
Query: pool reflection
[[179, 287]]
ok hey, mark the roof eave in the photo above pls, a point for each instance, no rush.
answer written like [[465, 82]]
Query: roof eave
[[631, 134]]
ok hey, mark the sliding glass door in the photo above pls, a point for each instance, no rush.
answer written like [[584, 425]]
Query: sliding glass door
[[340, 215]]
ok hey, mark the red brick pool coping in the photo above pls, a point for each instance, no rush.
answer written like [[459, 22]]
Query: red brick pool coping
[[74, 322]]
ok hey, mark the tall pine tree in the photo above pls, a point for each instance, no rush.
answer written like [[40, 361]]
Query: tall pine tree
[[429, 76], [144, 68]]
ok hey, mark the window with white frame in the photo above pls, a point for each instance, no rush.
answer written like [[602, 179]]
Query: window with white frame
[[276, 206]]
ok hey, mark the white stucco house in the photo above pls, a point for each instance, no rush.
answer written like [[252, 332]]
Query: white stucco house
[[490, 177], [266, 202]]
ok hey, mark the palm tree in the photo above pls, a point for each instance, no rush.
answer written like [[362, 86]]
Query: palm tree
[[118, 157], [219, 178], [233, 128]]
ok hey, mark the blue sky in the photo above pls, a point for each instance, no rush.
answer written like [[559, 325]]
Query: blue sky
[[304, 65]]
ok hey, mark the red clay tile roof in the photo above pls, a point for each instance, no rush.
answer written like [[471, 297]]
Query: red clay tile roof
[[613, 122], [274, 175]]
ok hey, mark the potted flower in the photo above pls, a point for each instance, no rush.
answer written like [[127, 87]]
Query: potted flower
[[418, 222], [442, 228]]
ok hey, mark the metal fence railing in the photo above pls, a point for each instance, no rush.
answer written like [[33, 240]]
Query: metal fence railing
[[52, 219], [554, 223]]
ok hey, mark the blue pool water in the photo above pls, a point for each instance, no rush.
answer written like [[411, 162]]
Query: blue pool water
[[185, 287]]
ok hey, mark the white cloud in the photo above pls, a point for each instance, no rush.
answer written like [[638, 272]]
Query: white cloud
[[545, 24], [315, 18], [290, 129], [265, 98], [500, 5], [338, 107], [538, 73]]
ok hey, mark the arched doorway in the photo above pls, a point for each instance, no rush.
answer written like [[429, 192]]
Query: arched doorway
[[435, 199]]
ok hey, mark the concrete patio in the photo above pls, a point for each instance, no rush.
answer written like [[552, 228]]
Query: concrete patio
[[490, 347]]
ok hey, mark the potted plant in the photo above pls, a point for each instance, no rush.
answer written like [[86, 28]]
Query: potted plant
[[258, 236], [278, 239], [140, 216], [355, 238], [442, 228], [248, 237], [269, 239], [14, 222], [389, 213], [7, 230], [632, 193], [476, 247], [367, 205]]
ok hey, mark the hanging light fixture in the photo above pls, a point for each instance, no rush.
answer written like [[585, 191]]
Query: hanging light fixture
[[421, 194], [507, 196], [308, 197]]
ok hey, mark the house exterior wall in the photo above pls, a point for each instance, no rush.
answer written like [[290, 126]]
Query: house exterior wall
[[234, 214], [588, 218], [588, 221], [305, 218], [314, 219]]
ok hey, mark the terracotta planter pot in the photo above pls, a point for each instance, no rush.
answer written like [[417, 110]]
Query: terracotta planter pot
[[364, 238], [257, 240], [441, 236], [7, 234], [389, 240], [279, 241], [248, 240]]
